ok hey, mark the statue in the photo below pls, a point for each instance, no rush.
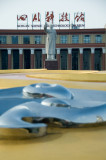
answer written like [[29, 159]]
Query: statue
[[50, 42]]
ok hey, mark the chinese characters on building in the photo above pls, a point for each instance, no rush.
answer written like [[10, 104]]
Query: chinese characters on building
[[63, 19], [49, 17], [36, 17], [79, 17]]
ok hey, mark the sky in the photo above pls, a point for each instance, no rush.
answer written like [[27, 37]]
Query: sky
[[95, 11]]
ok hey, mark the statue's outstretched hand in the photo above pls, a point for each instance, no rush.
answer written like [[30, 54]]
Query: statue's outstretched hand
[[46, 24]]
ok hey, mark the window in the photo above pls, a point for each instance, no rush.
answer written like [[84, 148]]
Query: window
[[98, 39], [37, 39], [2, 39], [87, 39], [75, 38], [26, 40], [14, 39], [63, 39]]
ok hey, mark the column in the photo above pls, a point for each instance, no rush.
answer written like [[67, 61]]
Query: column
[[58, 57], [9, 59], [92, 58], [69, 59], [21, 58], [103, 58], [81, 59], [43, 57], [32, 59]]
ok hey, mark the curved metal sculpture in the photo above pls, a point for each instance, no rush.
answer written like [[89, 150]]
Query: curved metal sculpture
[[56, 102], [47, 90], [29, 111]]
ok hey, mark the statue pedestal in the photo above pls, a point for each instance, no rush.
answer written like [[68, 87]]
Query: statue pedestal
[[51, 64]]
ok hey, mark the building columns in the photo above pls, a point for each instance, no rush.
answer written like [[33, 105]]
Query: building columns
[[69, 67], [21, 58], [43, 57], [103, 58], [92, 58], [58, 57], [9, 59], [81, 59], [32, 59], [69, 58]]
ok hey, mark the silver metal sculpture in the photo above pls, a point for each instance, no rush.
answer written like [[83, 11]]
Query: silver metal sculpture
[[56, 102], [28, 107], [47, 90]]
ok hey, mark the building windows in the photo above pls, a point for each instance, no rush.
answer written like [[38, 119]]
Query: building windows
[[37, 39], [63, 39], [14, 39], [26, 39], [3, 40], [86, 38], [98, 39], [75, 38]]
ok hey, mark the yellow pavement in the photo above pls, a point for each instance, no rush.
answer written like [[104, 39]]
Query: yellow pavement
[[71, 75]]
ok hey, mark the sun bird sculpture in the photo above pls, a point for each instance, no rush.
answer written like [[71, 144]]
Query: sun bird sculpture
[[26, 108]]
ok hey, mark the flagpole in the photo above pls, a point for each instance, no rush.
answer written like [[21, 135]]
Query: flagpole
[[40, 21], [17, 22], [74, 20], [84, 20], [32, 21], [59, 21], [27, 22], [69, 20]]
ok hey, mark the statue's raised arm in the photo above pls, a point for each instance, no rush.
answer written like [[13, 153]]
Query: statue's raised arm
[[45, 27]]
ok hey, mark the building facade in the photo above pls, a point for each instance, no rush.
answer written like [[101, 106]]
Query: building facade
[[76, 49]]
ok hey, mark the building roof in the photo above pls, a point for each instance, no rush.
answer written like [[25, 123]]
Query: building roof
[[59, 31]]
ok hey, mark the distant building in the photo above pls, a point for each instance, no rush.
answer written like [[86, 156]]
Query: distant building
[[76, 49]]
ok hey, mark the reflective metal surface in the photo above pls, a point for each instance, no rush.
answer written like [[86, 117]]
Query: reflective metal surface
[[20, 110], [56, 102], [47, 90]]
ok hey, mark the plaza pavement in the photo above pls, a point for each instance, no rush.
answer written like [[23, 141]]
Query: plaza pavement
[[13, 78]]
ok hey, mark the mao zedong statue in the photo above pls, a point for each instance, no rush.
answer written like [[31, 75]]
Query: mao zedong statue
[[50, 42]]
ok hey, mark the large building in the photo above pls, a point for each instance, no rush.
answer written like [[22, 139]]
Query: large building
[[76, 49]]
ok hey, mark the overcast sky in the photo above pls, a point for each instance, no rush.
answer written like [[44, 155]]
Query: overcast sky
[[95, 11]]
